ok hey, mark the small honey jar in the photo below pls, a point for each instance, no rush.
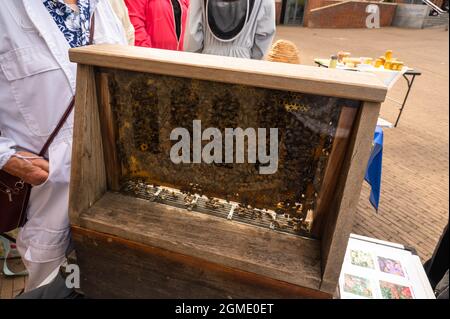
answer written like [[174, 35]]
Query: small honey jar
[[378, 63], [350, 65], [397, 66], [333, 62], [388, 55], [341, 55], [366, 60]]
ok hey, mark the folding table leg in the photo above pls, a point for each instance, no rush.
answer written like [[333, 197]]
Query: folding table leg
[[410, 83]]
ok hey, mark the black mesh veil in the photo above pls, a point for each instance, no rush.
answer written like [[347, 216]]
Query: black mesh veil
[[227, 18]]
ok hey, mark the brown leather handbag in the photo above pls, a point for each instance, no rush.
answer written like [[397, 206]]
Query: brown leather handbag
[[15, 193], [14, 196]]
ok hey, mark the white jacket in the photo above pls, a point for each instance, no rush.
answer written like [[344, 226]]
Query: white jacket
[[37, 82], [254, 40], [121, 11]]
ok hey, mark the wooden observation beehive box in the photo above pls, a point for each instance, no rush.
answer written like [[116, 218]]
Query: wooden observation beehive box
[[147, 226]]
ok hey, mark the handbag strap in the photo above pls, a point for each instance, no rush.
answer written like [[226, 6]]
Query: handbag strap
[[92, 31], [71, 105], [57, 128]]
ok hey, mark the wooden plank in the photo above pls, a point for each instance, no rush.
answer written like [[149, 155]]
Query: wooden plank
[[18, 285], [6, 288], [254, 249], [143, 271], [297, 78], [338, 226], [108, 128], [335, 162], [88, 179]]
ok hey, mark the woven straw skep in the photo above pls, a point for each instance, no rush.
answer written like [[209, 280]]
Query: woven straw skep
[[284, 51]]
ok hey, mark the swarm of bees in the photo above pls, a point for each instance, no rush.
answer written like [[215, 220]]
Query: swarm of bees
[[214, 203], [146, 110], [287, 217]]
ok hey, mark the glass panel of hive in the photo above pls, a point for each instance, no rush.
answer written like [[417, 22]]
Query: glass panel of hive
[[148, 107]]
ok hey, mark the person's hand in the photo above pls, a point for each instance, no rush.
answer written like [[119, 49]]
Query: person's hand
[[31, 171]]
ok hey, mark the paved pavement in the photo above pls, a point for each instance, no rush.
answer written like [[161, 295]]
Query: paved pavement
[[10, 287], [415, 192]]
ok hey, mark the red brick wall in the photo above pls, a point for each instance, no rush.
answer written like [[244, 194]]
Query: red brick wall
[[350, 14], [313, 4], [278, 5], [439, 3]]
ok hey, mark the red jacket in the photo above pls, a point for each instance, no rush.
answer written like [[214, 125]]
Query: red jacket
[[154, 23]]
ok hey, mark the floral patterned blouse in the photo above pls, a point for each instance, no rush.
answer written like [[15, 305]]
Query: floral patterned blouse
[[74, 25]]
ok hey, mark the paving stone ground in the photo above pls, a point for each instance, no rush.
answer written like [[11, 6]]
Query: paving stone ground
[[415, 192], [11, 286]]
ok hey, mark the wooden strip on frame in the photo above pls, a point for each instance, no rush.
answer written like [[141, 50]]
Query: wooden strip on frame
[[88, 178], [334, 165], [109, 130], [338, 227], [361, 86]]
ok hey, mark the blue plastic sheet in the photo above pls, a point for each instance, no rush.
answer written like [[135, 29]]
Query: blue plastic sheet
[[374, 167]]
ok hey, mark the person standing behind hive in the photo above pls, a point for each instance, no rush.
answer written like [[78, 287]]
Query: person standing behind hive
[[37, 84], [121, 11], [159, 23], [236, 28]]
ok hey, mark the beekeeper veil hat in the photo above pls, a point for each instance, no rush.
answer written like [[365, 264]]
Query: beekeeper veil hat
[[227, 18]]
